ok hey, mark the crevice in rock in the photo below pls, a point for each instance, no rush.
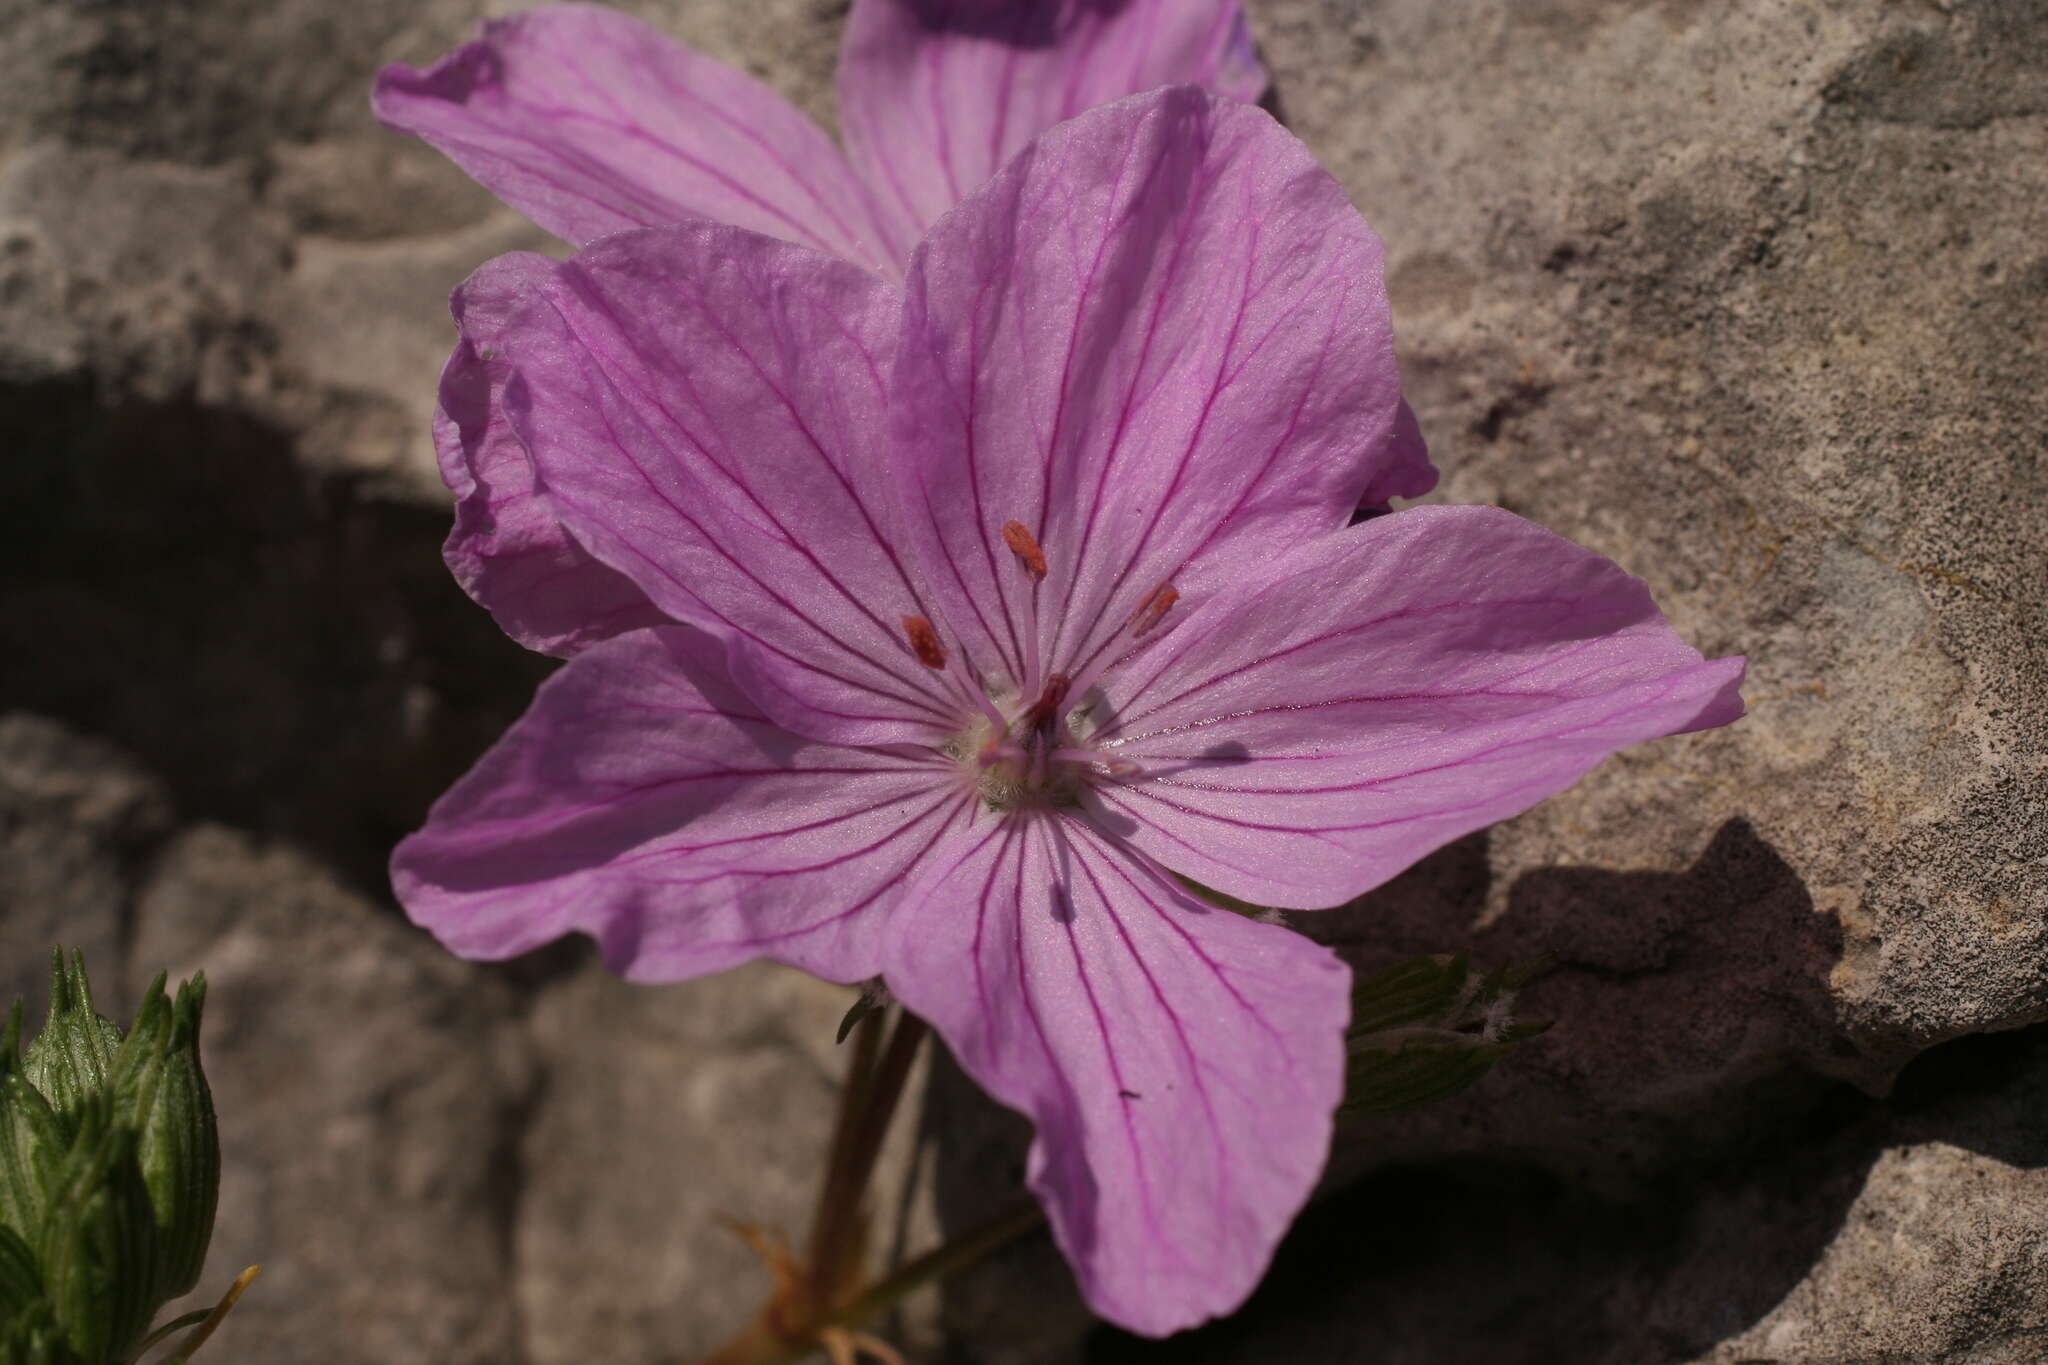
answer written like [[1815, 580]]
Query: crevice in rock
[[287, 652]]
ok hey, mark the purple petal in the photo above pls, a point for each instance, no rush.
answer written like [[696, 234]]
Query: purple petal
[[707, 414], [506, 548], [590, 122], [1387, 690], [936, 95], [1181, 1062], [1402, 469], [1159, 340], [644, 801]]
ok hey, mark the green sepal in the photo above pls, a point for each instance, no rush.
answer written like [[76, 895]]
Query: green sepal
[[70, 1058], [33, 1338], [98, 1245], [160, 1091], [859, 1010], [21, 1284], [1421, 1031], [32, 1139]]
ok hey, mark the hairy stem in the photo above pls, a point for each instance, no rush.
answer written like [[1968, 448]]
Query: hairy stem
[[864, 1123], [854, 1094]]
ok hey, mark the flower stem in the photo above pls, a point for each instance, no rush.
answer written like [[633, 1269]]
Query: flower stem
[[824, 1302], [761, 1343], [854, 1093], [941, 1261], [864, 1117]]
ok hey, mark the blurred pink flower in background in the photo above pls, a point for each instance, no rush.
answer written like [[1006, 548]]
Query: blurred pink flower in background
[[591, 122]]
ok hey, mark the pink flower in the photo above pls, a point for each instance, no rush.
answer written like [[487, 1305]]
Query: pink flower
[[590, 122], [989, 600]]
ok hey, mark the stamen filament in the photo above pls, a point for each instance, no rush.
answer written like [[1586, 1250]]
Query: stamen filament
[[1115, 767], [924, 642], [971, 692], [1032, 661], [1149, 613]]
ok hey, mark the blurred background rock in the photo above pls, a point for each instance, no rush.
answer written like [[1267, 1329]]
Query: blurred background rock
[[1751, 295]]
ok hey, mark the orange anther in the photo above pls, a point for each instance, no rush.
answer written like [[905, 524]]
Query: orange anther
[[925, 640], [1156, 604], [1025, 546]]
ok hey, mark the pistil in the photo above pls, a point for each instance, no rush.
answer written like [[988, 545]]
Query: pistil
[[1035, 758]]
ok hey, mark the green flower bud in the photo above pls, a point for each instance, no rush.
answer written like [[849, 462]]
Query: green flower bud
[[97, 1251], [109, 1173]]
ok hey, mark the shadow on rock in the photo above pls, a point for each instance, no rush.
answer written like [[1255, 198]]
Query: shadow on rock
[[1860, 1229], [1689, 1007], [1694, 1034], [288, 653]]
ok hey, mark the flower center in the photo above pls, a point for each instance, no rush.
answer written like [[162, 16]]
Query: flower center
[[1031, 753]]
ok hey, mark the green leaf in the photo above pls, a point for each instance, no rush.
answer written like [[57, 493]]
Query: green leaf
[[1428, 1029]]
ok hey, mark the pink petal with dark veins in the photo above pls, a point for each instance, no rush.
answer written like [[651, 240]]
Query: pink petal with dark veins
[[707, 412], [506, 548], [1159, 339], [590, 122], [1387, 690], [643, 800], [1180, 1062], [935, 95]]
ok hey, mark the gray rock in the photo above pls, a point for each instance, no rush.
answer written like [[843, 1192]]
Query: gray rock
[[369, 1089], [76, 818], [667, 1113], [1747, 295], [201, 205], [1745, 303]]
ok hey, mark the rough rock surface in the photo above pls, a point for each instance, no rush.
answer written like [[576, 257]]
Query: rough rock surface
[[1750, 295], [372, 1092], [708, 1102], [75, 817]]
